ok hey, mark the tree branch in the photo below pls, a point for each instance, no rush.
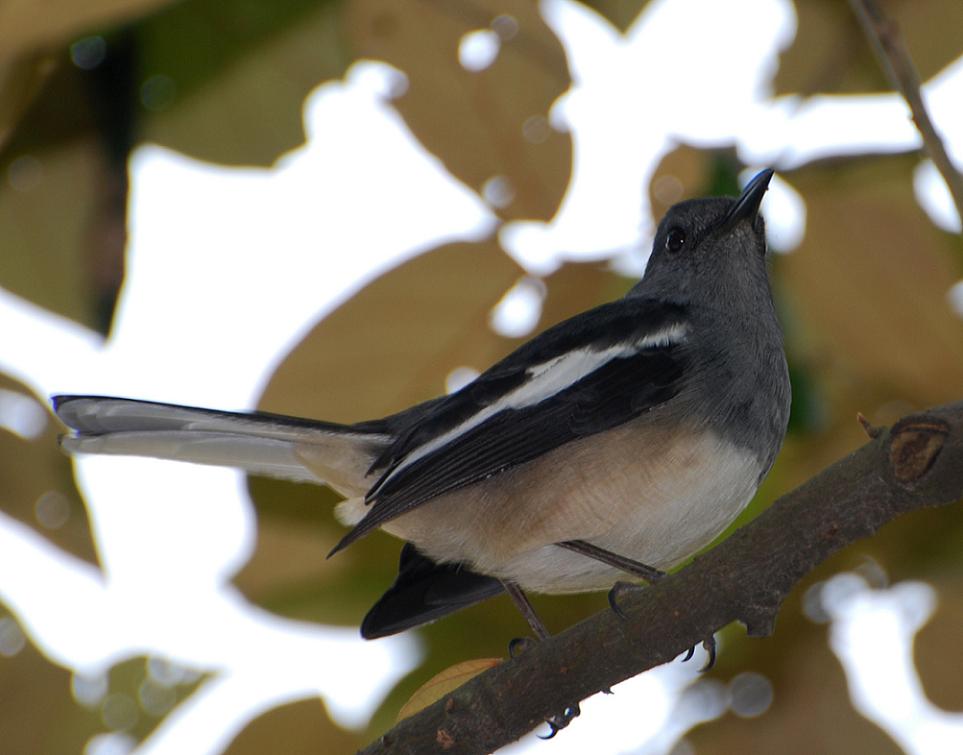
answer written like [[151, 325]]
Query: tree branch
[[894, 58], [917, 463]]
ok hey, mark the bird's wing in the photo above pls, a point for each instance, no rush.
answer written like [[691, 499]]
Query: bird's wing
[[586, 375]]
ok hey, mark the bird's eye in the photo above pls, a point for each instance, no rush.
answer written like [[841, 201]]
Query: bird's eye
[[675, 239]]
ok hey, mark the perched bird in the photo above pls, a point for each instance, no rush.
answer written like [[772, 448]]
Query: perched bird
[[615, 443]]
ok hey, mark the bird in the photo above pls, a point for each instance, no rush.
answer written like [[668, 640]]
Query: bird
[[614, 444]]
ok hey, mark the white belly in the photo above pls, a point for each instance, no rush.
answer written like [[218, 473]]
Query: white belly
[[648, 495]]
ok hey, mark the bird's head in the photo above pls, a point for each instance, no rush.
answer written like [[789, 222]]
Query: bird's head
[[710, 249]]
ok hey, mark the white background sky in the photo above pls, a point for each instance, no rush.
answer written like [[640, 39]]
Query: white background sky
[[181, 335]]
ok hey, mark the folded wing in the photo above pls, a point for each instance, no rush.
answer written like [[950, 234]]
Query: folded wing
[[628, 358]]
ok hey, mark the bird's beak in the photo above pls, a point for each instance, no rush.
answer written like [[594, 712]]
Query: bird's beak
[[747, 205]]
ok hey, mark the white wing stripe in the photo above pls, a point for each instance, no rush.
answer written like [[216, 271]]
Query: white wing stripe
[[548, 379]]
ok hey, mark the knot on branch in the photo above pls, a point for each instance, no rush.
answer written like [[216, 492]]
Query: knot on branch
[[445, 740], [760, 611], [914, 444]]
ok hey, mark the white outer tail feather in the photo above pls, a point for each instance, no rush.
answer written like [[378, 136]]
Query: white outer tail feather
[[261, 456], [280, 447]]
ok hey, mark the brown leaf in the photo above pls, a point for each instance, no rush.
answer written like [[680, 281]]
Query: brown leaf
[[66, 160], [810, 712], [444, 682], [620, 13], [831, 55], [240, 102], [55, 228], [20, 80], [578, 286], [56, 725], [482, 124], [36, 480], [23, 28], [300, 728], [937, 651], [288, 572], [870, 282], [681, 174], [394, 343]]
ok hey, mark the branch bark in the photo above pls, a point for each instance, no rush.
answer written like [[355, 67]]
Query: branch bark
[[917, 463], [895, 60]]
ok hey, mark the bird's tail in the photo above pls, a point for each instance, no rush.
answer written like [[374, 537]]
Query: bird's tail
[[265, 444]]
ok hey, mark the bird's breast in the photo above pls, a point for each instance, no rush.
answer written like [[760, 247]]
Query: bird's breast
[[639, 490]]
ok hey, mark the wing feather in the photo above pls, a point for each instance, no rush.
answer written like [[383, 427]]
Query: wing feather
[[619, 390]]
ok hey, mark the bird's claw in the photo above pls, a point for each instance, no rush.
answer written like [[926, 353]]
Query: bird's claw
[[619, 589], [560, 721], [519, 645], [709, 644], [556, 723]]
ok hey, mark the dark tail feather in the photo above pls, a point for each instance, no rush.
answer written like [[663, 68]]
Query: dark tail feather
[[423, 592]]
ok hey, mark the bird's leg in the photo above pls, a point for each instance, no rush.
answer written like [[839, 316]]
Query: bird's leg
[[619, 589], [560, 720], [526, 609], [628, 565], [637, 569]]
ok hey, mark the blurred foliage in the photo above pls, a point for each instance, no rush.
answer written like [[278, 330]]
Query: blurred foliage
[[235, 99], [810, 711], [301, 728], [619, 13], [36, 480], [863, 301], [59, 725], [481, 124], [386, 348], [830, 54], [48, 710], [938, 652]]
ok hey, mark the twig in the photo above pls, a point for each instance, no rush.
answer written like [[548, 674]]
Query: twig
[[868, 427], [895, 60], [916, 464]]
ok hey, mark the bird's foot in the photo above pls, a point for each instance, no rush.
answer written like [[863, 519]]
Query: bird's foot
[[559, 721], [618, 590], [709, 644], [621, 588], [519, 645]]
